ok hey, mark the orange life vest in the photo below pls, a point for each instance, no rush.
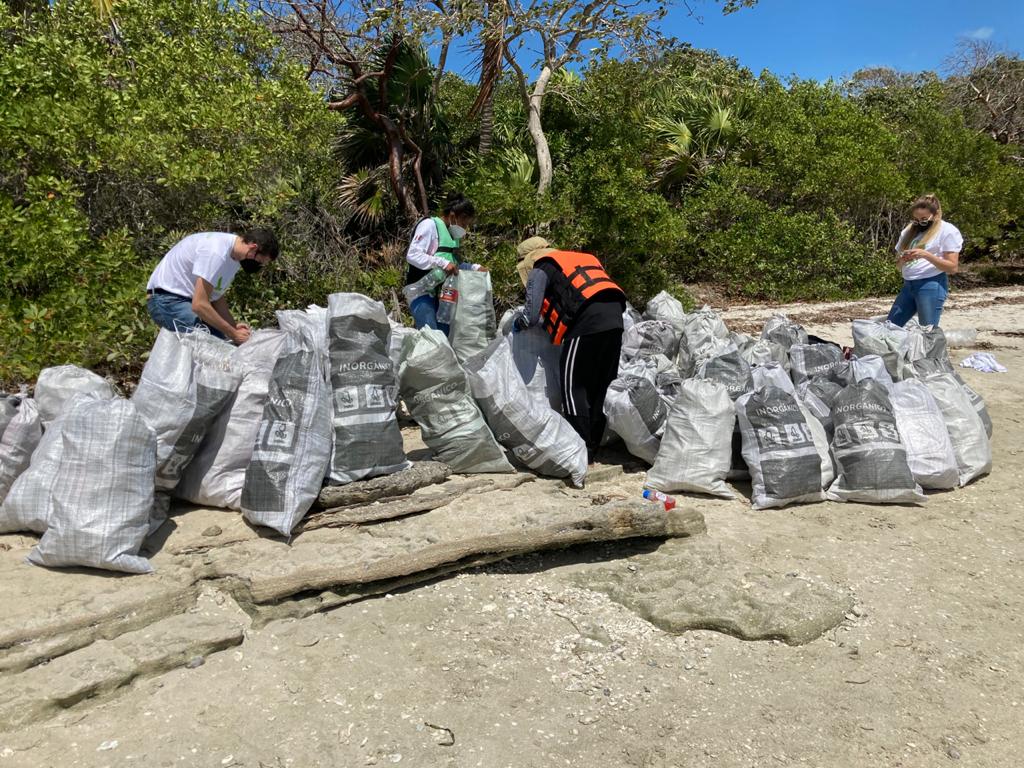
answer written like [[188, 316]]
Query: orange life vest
[[581, 278]]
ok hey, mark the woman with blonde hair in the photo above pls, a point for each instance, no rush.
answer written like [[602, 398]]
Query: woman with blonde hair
[[928, 252]]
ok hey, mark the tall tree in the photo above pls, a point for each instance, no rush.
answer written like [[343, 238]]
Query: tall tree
[[989, 84], [568, 31]]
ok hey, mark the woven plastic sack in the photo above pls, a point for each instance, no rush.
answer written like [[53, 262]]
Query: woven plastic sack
[[8, 409], [293, 441], [667, 308], [730, 370], [103, 493], [771, 374], [885, 339], [536, 359], [57, 384], [779, 449], [870, 367], [763, 351], [18, 439], [438, 396], [783, 331], [870, 456], [473, 326], [964, 425], [367, 440], [630, 317], [923, 431], [537, 436], [818, 396], [648, 338], [925, 366], [399, 333], [696, 449], [924, 342], [28, 505], [810, 361], [636, 412], [185, 385], [216, 474], [312, 321], [700, 328]]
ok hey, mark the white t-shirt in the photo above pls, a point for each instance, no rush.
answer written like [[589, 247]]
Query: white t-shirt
[[206, 255], [948, 240]]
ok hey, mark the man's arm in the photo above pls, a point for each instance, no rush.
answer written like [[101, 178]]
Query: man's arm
[[536, 287], [213, 316]]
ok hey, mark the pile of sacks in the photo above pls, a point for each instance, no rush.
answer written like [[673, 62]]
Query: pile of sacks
[[703, 405], [261, 427]]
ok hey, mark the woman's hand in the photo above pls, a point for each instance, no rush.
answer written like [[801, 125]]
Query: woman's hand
[[451, 269]]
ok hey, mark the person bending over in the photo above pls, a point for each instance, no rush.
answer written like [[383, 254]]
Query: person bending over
[[581, 308], [928, 252], [187, 287]]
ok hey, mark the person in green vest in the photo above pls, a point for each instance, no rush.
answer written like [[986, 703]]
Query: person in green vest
[[435, 246]]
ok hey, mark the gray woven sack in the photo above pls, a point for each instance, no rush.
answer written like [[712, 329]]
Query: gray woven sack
[[812, 361], [473, 326], [636, 412], [103, 493], [779, 449], [434, 387], [364, 390], [869, 452], [293, 442]]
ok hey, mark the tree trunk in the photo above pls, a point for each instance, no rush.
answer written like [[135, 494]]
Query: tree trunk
[[533, 124], [487, 125]]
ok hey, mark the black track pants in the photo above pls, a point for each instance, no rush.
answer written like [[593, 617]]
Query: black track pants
[[589, 364]]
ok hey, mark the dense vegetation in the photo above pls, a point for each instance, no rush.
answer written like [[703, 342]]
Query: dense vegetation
[[677, 168]]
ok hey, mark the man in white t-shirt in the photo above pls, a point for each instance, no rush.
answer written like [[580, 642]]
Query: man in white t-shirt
[[188, 285]]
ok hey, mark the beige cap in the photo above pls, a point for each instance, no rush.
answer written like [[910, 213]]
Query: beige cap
[[529, 251], [531, 244]]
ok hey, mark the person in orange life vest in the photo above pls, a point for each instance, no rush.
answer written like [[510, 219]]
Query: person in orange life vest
[[580, 307]]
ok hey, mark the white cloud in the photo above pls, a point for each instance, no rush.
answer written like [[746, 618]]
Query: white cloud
[[981, 33]]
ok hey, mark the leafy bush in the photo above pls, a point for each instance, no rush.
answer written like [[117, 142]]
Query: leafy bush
[[186, 120]]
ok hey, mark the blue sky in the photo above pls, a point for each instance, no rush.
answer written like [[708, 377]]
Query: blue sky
[[819, 39]]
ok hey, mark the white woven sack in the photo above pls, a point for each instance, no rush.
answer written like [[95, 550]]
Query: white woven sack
[[434, 387], [18, 440], [537, 436], [28, 505], [364, 390], [964, 425], [216, 474], [666, 307], [103, 493], [181, 393], [57, 384], [293, 441], [696, 449], [923, 431]]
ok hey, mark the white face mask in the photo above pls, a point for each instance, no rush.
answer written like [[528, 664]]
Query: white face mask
[[456, 232]]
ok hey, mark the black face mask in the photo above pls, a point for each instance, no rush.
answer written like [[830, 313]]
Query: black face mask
[[922, 227], [251, 265]]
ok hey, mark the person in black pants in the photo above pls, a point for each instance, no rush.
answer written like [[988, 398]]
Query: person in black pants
[[580, 306]]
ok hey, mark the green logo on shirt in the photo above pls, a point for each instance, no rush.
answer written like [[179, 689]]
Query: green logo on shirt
[[217, 287]]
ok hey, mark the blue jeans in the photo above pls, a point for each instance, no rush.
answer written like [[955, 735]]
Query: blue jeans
[[925, 297], [424, 314], [175, 314]]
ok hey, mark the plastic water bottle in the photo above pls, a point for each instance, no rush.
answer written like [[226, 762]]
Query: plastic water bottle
[[668, 501], [446, 302], [424, 286]]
